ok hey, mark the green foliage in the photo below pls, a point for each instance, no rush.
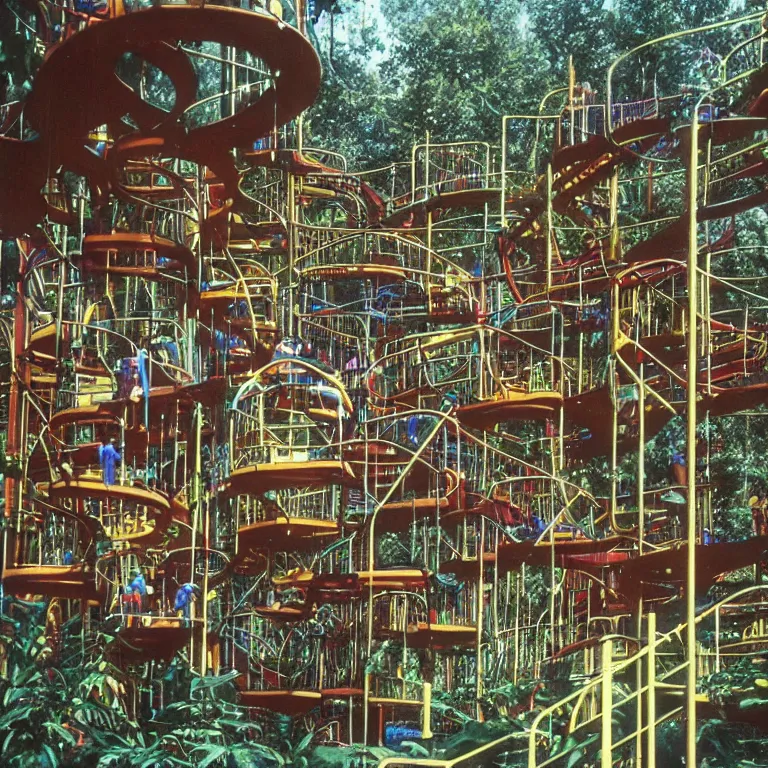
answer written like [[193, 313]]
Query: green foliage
[[36, 707], [20, 56], [744, 680], [446, 69]]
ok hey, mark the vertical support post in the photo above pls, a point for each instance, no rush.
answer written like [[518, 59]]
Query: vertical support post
[[690, 593], [292, 234], [641, 465], [615, 310], [553, 578], [301, 24], [195, 498], [606, 706], [717, 640], [549, 227], [19, 371], [429, 264], [571, 96], [517, 628], [651, 703], [613, 252], [426, 723], [503, 214], [480, 606], [63, 265], [640, 542], [206, 544]]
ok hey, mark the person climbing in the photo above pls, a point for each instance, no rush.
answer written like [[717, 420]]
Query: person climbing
[[138, 587], [413, 430], [108, 459], [185, 596]]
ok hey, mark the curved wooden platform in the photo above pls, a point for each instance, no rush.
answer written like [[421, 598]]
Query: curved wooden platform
[[290, 160], [467, 569], [284, 702], [396, 578], [514, 405], [440, 637], [151, 531], [322, 587], [397, 516], [42, 342], [97, 247], [641, 574], [259, 478], [160, 641], [283, 614], [67, 80], [333, 272], [108, 412], [415, 214], [287, 534], [511, 555], [68, 582], [93, 489]]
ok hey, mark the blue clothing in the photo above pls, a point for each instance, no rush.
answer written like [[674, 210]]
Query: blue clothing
[[90, 6], [394, 735], [173, 350], [108, 459], [139, 584], [183, 599], [413, 430]]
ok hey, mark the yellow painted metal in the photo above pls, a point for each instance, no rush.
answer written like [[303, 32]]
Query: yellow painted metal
[[692, 394], [651, 694], [426, 722], [606, 703]]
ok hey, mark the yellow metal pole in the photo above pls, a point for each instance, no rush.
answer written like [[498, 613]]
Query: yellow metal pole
[[613, 251], [651, 704], [571, 96], [606, 706], [503, 171], [479, 636], [206, 542], [693, 249], [426, 723], [195, 494], [292, 247], [550, 228], [614, 406], [640, 542], [366, 696]]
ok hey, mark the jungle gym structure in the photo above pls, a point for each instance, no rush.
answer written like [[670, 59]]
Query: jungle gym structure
[[325, 427]]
